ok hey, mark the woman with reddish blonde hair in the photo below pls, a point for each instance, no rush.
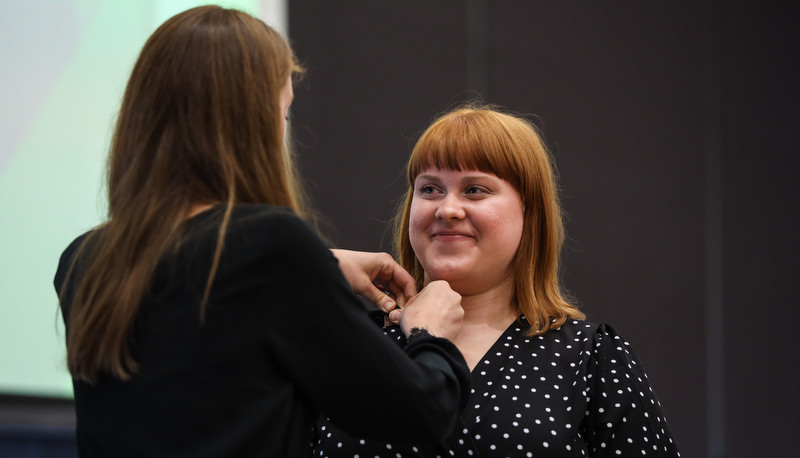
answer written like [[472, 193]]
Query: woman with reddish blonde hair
[[205, 317], [482, 213], [488, 140]]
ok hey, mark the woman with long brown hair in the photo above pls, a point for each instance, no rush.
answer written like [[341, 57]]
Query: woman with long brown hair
[[205, 317]]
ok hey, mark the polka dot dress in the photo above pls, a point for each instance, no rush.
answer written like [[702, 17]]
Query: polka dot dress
[[577, 391]]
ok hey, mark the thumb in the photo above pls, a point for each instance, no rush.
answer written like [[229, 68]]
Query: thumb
[[394, 316], [380, 299]]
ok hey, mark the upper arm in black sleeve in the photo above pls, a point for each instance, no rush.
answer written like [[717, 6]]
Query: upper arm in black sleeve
[[624, 413], [341, 361]]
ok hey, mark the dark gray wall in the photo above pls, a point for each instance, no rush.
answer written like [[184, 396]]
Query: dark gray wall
[[670, 125], [761, 228]]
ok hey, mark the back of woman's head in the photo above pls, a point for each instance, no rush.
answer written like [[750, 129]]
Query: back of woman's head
[[486, 139], [200, 118], [200, 123]]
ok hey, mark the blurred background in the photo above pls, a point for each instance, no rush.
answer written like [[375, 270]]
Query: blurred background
[[673, 127]]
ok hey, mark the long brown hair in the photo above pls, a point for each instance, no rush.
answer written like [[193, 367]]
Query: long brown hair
[[483, 138], [200, 122]]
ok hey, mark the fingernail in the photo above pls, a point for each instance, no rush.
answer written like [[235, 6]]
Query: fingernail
[[388, 306]]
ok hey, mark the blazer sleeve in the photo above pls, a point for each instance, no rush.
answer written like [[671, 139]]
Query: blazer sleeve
[[320, 334]]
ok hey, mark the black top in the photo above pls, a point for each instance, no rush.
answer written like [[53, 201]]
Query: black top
[[284, 339], [576, 391]]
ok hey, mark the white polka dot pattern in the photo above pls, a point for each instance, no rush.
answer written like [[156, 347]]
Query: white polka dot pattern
[[576, 391]]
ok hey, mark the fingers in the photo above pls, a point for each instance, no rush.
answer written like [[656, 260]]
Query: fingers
[[377, 277], [436, 308], [383, 300], [400, 282], [393, 278]]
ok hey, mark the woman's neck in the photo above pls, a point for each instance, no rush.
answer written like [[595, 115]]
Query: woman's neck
[[487, 315], [494, 307]]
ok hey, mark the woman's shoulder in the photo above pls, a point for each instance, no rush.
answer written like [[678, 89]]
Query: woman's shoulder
[[584, 333], [576, 325], [602, 340], [275, 230], [253, 220], [263, 211], [73, 246], [250, 214], [571, 328], [585, 327], [68, 255], [72, 261], [254, 234]]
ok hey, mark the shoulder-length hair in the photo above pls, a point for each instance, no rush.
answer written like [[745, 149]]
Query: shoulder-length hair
[[486, 139], [200, 123]]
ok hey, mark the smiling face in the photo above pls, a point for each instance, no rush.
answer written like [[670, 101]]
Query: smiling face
[[485, 236], [465, 227]]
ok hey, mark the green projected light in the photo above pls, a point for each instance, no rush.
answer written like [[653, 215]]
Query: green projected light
[[65, 65]]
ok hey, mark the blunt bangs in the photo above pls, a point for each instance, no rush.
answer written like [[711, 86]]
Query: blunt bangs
[[470, 139]]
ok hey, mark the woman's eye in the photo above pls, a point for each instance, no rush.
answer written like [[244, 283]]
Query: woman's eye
[[426, 189], [474, 190]]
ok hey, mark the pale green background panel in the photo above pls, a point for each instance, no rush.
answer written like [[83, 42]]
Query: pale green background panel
[[65, 65]]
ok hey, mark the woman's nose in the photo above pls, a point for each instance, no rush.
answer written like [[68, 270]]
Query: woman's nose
[[449, 209]]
